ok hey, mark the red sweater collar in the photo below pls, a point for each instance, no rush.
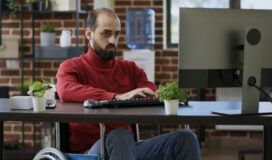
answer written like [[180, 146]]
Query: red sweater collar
[[95, 60]]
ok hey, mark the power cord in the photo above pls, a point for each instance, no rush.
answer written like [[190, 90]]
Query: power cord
[[251, 81]]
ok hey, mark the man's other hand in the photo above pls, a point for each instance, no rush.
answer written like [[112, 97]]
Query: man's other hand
[[136, 93]]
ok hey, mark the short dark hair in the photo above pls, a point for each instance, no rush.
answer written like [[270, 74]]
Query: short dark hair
[[92, 16]]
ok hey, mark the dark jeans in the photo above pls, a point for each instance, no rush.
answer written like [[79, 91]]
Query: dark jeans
[[179, 145]]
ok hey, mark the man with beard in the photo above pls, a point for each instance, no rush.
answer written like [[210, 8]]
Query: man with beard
[[100, 75]]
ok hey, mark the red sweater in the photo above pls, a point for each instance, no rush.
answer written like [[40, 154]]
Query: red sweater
[[89, 77]]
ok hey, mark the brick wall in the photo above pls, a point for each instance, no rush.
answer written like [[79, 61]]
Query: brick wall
[[166, 68]]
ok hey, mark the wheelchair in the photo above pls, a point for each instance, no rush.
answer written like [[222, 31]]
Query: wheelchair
[[55, 154]]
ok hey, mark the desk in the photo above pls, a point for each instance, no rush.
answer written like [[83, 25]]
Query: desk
[[198, 113]]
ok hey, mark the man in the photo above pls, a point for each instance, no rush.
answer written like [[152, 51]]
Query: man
[[100, 75]]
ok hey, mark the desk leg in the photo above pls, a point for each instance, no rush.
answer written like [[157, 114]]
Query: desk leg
[[102, 137], [1, 140], [267, 142]]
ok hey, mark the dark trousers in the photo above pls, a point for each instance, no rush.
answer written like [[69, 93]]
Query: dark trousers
[[179, 145]]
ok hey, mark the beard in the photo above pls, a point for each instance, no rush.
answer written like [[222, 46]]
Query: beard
[[106, 54]]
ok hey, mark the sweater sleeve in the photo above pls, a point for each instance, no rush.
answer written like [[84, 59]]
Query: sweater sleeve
[[70, 88], [141, 79]]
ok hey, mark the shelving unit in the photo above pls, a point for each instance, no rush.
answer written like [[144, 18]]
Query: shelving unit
[[34, 56]]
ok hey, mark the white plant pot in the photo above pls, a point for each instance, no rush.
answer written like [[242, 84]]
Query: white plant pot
[[47, 39], [171, 107], [39, 104]]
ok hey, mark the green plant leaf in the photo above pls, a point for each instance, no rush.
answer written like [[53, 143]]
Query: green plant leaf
[[37, 89], [171, 91]]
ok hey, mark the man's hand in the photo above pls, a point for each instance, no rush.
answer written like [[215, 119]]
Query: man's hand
[[139, 92]]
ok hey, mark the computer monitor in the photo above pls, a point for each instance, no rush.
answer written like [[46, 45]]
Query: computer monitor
[[226, 48]]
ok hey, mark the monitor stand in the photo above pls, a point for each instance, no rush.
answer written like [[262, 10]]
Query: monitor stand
[[252, 63]]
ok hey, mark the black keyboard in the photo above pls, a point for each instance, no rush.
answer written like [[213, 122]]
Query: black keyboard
[[89, 103]]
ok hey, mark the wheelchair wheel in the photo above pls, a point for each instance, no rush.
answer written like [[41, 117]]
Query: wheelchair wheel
[[50, 154]]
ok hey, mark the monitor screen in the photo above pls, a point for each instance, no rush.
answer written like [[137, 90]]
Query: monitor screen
[[226, 48]]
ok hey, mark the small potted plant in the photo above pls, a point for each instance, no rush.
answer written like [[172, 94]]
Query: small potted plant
[[13, 5], [47, 36], [33, 5], [171, 94], [37, 91]]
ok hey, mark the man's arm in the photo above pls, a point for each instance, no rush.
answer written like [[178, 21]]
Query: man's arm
[[70, 89], [144, 88]]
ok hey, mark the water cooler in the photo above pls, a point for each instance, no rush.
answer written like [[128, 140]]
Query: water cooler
[[140, 38]]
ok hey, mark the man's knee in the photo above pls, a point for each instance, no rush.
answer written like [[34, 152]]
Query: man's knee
[[119, 135], [185, 136]]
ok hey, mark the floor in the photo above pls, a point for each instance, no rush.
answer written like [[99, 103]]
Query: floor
[[228, 148]]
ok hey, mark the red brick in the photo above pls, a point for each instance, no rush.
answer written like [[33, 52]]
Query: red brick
[[5, 32], [63, 16], [174, 61], [175, 76], [29, 24], [10, 72], [4, 80], [158, 17], [18, 32], [72, 24], [12, 136], [158, 3], [43, 78], [44, 17], [2, 64], [56, 64], [122, 2], [26, 64], [142, 3], [26, 128], [170, 53], [158, 10], [170, 68], [162, 76], [49, 72], [47, 65], [158, 24], [157, 68], [10, 24], [160, 61], [29, 72], [158, 46], [7, 128], [120, 10], [15, 80], [158, 31]]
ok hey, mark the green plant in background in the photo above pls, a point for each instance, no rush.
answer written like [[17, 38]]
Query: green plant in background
[[25, 87], [32, 1], [12, 5], [171, 91], [47, 28], [37, 89]]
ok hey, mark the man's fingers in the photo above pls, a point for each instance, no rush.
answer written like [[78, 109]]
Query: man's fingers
[[141, 93], [148, 91]]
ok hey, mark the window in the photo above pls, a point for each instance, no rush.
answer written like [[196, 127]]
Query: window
[[256, 4], [173, 15]]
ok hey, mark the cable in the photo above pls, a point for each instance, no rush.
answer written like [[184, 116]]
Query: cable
[[251, 81]]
